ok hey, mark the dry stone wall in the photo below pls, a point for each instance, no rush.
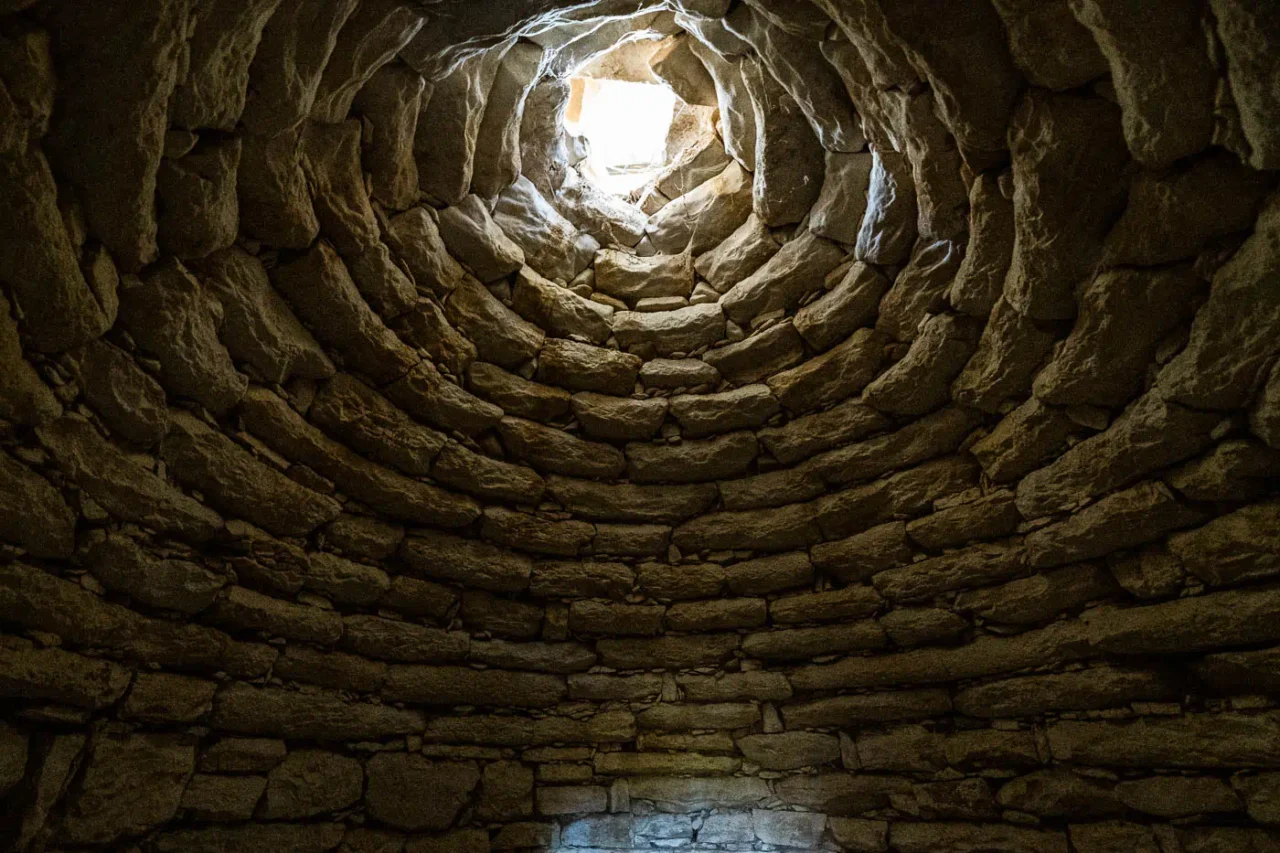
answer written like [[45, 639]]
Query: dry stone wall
[[901, 474]]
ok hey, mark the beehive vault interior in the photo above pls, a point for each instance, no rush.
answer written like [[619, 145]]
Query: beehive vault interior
[[897, 472]]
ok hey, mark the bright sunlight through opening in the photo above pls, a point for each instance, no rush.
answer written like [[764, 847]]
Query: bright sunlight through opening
[[626, 125]]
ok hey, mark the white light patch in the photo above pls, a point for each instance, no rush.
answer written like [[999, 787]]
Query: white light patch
[[627, 126]]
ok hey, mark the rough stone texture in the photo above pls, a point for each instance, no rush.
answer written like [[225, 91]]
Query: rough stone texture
[[1150, 63], [703, 217], [789, 158]]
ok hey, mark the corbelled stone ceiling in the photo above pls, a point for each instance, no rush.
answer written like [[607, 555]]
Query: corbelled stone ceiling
[[898, 471]]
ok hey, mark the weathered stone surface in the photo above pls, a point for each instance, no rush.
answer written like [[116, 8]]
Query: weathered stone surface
[[1163, 77], [246, 610], [323, 294], [199, 210], [791, 274], [390, 100], [467, 561], [1221, 369], [839, 793], [551, 244], [450, 122], [838, 212], [616, 418], [691, 461], [1195, 740], [131, 783], [193, 363], [974, 566], [677, 373], [582, 367], [631, 278], [1120, 520], [961, 837], [759, 356], [941, 195], [275, 204], [920, 289], [697, 163], [310, 782], [1162, 224], [679, 795], [680, 331], [1239, 546], [804, 436], [369, 39], [1049, 45], [1246, 33], [737, 114], [980, 279], [559, 311], [331, 162], [516, 395], [179, 585], [233, 480], [1099, 687], [840, 372], [536, 534], [485, 477], [223, 798], [497, 159], [25, 399], [291, 837], [921, 381], [1027, 437], [706, 414], [1178, 796], [703, 217], [555, 451], [412, 793], [607, 218], [258, 326], [383, 490], [1040, 597], [738, 256], [1149, 435], [1124, 315], [850, 303], [59, 676], [789, 158], [415, 237], [123, 488], [476, 240], [366, 421], [212, 91], [630, 502], [543, 153], [1009, 353], [389, 639], [501, 336], [1067, 189], [110, 146], [1203, 622]]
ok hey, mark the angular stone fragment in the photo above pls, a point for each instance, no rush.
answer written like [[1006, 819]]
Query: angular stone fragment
[[179, 585], [466, 561], [130, 784], [199, 211], [980, 280], [1120, 520], [323, 294], [1162, 224], [582, 367], [450, 122], [536, 534], [630, 277], [705, 414], [1247, 33], [559, 311], [974, 566], [681, 795], [1215, 620], [1149, 435], [194, 363], [1232, 340], [759, 356], [551, 244], [1124, 314], [847, 306], [212, 92], [122, 487], [415, 237], [275, 204], [738, 256], [921, 380], [842, 371], [1009, 353], [476, 240], [555, 451], [516, 395], [1195, 740], [1049, 45], [394, 495], [889, 224], [617, 418], [331, 161], [1040, 597], [1096, 688], [370, 38], [1027, 437], [258, 327], [691, 461], [804, 643], [789, 158], [838, 212], [790, 275], [117, 69], [1163, 77], [1067, 158], [681, 330], [55, 675], [412, 793], [231, 478], [223, 798], [367, 422], [1239, 546], [390, 100], [669, 373], [607, 218], [737, 114], [629, 502], [310, 782], [802, 437], [920, 289], [705, 216], [941, 195], [497, 160], [500, 335], [485, 477]]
